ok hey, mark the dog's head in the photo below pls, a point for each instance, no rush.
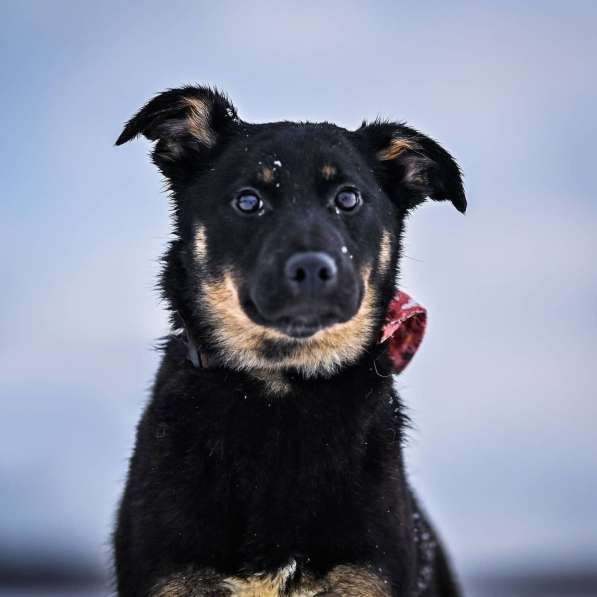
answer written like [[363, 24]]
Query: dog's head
[[287, 234]]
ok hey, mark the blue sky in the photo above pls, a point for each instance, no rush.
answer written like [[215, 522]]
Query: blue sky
[[502, 393]]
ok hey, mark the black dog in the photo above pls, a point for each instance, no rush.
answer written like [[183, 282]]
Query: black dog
[[269, 461]]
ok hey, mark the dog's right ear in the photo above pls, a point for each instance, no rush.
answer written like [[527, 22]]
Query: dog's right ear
[[186, 123], [412, 166]]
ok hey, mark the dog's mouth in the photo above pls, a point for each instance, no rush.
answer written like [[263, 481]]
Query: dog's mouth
[[300, 324], [305, 326]]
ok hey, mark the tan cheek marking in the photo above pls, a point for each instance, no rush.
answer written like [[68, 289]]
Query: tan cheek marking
[[200, 244], [385, 252], [328, 171], [395, 148], [266, 175], [237, 336], [198, 120]]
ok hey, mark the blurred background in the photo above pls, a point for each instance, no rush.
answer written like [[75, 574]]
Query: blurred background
[[504, 449]]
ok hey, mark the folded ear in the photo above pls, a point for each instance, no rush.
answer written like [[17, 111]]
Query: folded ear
[[412, 165], [185, 122]]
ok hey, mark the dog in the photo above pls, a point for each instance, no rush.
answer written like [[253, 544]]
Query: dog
[[269, 459]]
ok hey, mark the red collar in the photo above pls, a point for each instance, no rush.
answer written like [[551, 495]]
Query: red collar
[[404, 328]]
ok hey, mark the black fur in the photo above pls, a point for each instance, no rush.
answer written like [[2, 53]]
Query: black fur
[[230, 477]]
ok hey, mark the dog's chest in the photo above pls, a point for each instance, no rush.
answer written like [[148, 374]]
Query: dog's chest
[[264, 482], [282, 458], [288, 581]]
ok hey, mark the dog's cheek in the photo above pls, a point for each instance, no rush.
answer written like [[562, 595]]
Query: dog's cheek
[[221, 297], [207, 265], [238, 339]]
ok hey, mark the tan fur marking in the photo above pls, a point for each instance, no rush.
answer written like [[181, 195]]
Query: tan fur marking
[[240, 339], [355, 581], [261, 585], [395, 148], [341, 581], [328, 171], [266, 175], [200, 244], [273, 381], [191, 584], [385, 252], [198, 120]]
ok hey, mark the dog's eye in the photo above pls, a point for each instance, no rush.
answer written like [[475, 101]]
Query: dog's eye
[[248, 202], [347, 199]]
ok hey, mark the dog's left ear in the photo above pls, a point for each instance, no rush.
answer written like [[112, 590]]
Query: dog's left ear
[[411, 165], [187, 124]]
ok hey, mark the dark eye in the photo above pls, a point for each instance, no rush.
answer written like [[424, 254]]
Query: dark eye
[[347, 199], [248, 202]]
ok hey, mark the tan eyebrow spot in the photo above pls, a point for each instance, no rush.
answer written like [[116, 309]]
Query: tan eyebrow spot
[[328, 171], [266, 175], [395, 148]]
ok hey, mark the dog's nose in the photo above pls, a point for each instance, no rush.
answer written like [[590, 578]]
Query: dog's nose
[[311, 272]]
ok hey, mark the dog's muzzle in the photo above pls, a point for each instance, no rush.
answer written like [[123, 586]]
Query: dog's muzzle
[[306, 293]]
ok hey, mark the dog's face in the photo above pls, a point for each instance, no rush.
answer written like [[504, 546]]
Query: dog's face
[[288, 232]]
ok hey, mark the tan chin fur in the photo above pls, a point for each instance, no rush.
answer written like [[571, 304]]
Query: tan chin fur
[[395, 148], [240, 340], [341, 581]]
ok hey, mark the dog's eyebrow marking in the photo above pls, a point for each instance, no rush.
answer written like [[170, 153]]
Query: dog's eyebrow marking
[[328, 171], [395, 148], [266, 175]]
